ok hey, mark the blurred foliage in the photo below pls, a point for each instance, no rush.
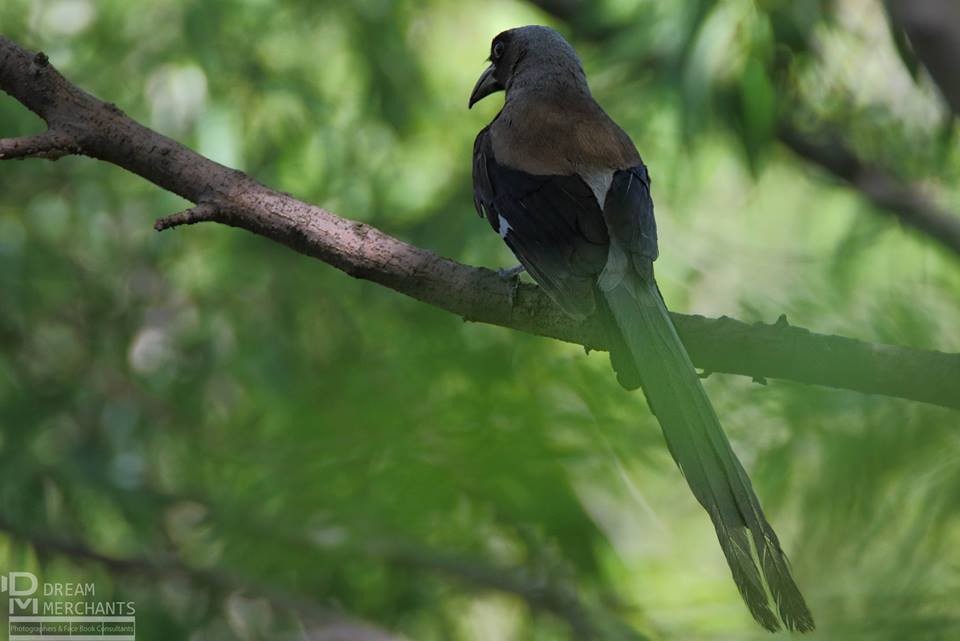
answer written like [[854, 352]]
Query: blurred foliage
[[295, 437]]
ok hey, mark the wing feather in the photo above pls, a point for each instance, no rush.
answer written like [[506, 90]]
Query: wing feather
[[554, 226]]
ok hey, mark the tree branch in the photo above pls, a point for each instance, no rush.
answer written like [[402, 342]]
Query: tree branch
[[885, 190], [346, 630], [540, 592], [201, 213], [100, 130], [324, 624], [49, 144]]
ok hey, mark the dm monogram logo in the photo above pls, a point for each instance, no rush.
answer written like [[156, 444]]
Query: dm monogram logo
[[21, 586]]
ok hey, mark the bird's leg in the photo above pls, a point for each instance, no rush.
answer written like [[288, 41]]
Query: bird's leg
[[511, 275], [507, 273]]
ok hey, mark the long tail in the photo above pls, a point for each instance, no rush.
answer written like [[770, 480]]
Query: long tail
[[703, 453]]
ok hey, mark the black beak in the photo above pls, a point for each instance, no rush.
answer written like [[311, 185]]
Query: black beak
[[485, 86]]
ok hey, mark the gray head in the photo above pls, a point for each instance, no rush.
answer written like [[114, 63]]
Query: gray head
[[532, 58]]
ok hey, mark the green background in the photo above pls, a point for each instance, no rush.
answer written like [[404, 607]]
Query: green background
[[270, 444]]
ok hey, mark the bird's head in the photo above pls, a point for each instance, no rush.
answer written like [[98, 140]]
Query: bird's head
[[526, 57]]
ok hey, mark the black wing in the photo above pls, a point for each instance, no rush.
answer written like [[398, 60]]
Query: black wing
[[551, 223], [628, 211]]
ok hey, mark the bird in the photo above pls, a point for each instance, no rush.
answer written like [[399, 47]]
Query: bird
[[565, 188]]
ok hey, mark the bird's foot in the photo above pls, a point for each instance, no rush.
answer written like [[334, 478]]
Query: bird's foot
[[511, 275], [508, 273]]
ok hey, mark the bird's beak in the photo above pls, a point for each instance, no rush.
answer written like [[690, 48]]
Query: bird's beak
[[486, 85]]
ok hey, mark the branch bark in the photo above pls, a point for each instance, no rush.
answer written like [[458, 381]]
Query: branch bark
[[100, 130], [49, 144]]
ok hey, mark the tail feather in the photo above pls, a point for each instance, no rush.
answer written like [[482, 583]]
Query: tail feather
[[703, 453]]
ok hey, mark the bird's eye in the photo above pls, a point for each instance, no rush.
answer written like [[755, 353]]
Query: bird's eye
[[497, 50]]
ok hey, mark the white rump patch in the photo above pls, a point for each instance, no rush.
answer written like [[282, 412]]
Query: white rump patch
[[599, 182]]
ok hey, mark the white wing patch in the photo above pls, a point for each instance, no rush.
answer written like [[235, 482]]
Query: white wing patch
[[599, 182], [502, 226]]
